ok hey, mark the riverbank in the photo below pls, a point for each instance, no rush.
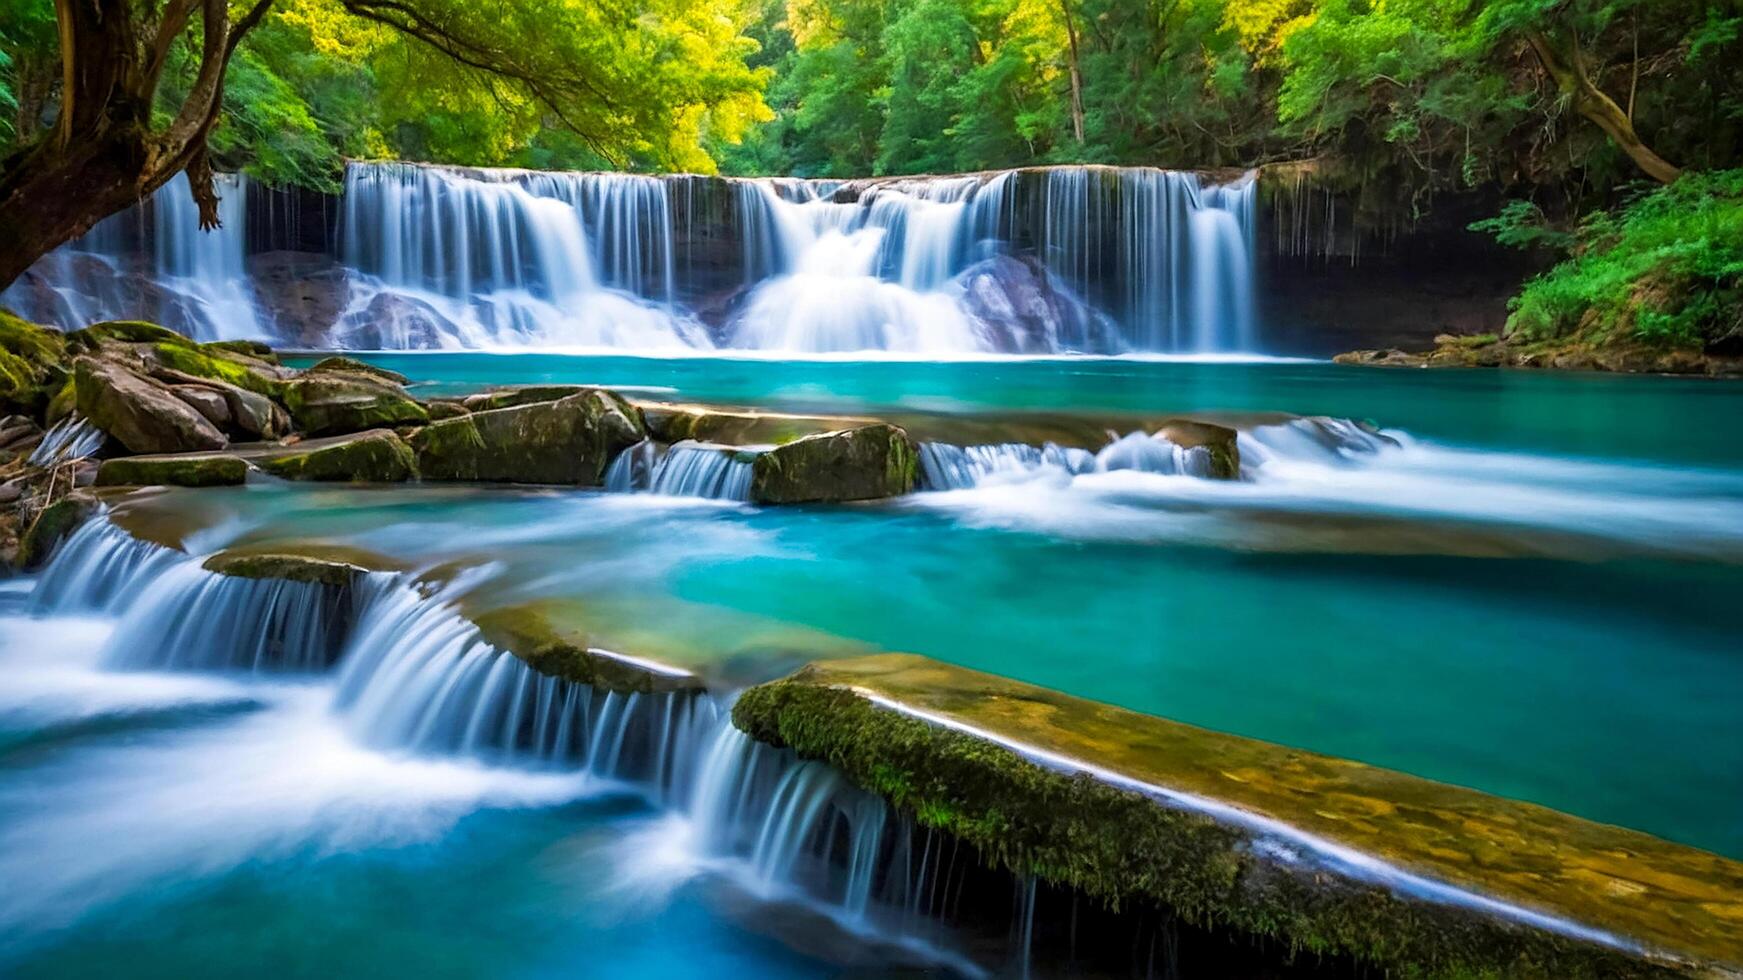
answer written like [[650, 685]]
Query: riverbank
[[1495, 351]]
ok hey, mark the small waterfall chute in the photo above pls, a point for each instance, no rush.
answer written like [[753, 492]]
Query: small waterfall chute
[[944, 466], [686, 469], [73, 437]]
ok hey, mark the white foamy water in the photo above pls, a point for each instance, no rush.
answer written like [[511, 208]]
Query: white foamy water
[[1334, 469]]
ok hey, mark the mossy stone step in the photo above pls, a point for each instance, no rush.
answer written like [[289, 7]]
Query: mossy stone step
[[1321, 854]]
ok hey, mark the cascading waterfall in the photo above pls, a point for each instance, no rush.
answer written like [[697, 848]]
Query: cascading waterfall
[[505, 258], [1093, 260], [196, 281], [187, 618], [687, 469], [948, 467], [100, 568]]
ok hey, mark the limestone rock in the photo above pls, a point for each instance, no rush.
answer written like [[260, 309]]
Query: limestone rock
[[351, 365], [568, 441], [331, 402], [377, 456], [863, 463], [142, 415], [524, 395], [196, 470], [207, 402]]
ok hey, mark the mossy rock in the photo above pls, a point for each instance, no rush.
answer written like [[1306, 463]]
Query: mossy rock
[[440, 410], [341, 364], [219, 364], [51, 527], [125, 332], [532, 632], [1220, 441], [31, 365], [868, 462], [290, 566], [252, 348], [64, 402], [377, 456], [522, 395], [1251, 838], [676, 423], [141, 414], [195, 470], [570, 441], [332, 402]]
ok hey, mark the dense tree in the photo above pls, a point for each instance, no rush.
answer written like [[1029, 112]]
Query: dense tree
[[143, 85]]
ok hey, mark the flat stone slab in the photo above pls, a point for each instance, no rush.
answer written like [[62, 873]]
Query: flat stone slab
[[1319, 853]]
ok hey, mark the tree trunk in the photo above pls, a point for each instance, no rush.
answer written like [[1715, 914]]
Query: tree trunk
[[1571, 77], [1076, 74]]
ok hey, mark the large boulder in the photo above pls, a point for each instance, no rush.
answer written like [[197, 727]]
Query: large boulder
[[568, 441], [378, 456], [331, 402], [301, 293], [863, 463], [193, 470], [51, 527], [141, 414], [391, 321], [1021, 308], [341, 364], [216, 363], [251, 414]]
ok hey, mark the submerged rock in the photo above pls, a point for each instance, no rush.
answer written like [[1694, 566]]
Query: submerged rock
[[332, 402], [294, 564], [537, 633], [863, 463], [1412, 877], [569, 441], [377, 456], [198, 470], [733, 427], [142, 415], [1220, 441]]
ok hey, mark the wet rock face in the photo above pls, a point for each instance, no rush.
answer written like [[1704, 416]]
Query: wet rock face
[[142, 415], [334, 401], [392, 321], [1021, 308], [378, 456], [301, 294], [568, 441], [172, 471], [868, 462], [31, 368]]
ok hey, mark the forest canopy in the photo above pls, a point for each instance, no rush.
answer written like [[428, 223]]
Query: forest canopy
[[1430, 94]]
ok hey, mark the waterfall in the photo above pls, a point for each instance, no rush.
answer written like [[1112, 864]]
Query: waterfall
[[505, 258], [948, 467], [187, 618], [417, 675], [196, 281], [687, 469], [1029, 261], [1183, 250], [100, 568], [72, 437]]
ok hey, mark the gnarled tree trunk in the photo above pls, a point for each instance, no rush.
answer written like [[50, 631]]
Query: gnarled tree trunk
[[1571, 76], [102, 153]]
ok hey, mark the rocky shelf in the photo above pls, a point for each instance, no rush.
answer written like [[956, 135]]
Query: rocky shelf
[[1320, 854]]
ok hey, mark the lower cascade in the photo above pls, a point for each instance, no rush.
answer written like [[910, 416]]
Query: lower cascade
[[1088, 260]]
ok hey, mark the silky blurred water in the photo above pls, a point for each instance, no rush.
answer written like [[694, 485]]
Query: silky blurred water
[[1529, 594]]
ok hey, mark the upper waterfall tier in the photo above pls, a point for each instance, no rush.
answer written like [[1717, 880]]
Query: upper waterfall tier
[[1052, 260]]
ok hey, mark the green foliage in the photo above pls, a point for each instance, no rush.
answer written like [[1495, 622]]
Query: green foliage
[[1666, 269], [1522, 224]]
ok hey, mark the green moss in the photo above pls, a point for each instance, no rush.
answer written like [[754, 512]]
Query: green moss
[[531, 632], [173, 471], [863, 463], [1125, 848], [31, 364], [351, 365], [251, 348], [525, 395], [217, 364], [335, 402], [51, 526], [370, 457], [126, 332], [63, 403], [292, 567], [569, 441]]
